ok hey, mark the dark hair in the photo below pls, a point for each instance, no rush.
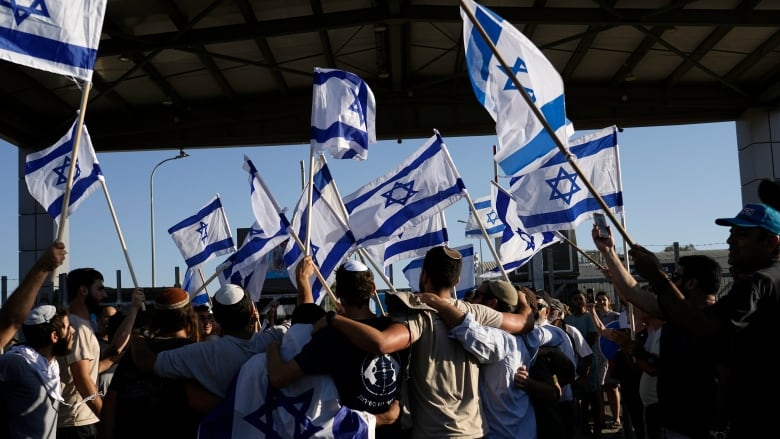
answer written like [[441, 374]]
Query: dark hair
[[354, 288], [236, 317], [530, 297], [39, 336], [442, 267], [81, 277], [173, 320], [704, 269]]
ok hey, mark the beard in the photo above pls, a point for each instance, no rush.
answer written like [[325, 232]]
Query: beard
[[63, 346], [93, 305]]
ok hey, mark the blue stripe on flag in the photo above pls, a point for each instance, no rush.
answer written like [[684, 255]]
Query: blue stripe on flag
[[542, 143], [214, 205], [342, 130], [77, 190], [48, 49], [426, 240], [568, 215], [209, 250]]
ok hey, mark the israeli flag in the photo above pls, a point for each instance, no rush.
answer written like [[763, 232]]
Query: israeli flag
[[517, 245], [411, 243], [330, 239], [58, 36], [192, 282], [467, 282], [248, 266], [422, 186], [555, 198], [203, 235], [307, 408], [46, 173], [523, 141], [343, 114], [487, 213]]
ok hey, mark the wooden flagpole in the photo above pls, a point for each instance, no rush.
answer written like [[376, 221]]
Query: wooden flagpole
[[563, 149], [73, 159]]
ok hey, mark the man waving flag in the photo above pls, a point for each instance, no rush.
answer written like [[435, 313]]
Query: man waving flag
[[524, 143]]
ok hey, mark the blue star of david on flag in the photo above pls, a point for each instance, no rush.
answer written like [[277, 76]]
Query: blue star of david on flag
[[21, 13], [560, 180], [297, 406], [528, 239], [62, 171], [391, 194], [492, 217], [519, 67], [203, 230], [356, 107]]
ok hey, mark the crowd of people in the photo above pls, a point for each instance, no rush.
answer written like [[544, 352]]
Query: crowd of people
[[675, 361]]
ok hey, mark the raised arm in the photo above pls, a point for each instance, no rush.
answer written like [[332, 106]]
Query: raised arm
[[122, 336], [22, 300], [303, 273], [625, 284]]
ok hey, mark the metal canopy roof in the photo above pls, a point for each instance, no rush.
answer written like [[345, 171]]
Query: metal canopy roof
[[209, 73]]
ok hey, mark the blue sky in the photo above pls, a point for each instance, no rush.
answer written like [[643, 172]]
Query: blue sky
[[676, 181]]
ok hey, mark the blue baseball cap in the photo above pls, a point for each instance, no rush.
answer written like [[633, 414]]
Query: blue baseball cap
[[754, 215]]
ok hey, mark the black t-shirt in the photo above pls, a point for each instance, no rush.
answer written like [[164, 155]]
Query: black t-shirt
[[151, 399], [365, 381]]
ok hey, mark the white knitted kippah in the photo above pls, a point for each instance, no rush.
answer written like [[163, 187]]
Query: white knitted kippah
[[229, 294], [355, 265], [41, 314]]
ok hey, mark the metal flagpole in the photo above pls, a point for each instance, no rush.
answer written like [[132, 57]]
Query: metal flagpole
[[563, 149]]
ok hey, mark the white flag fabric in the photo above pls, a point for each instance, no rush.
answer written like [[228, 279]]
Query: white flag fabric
[[204, 235], [411, 243], [343, 114], [248, 266], [413, 270], [330, 239], [517, 245], [555, 198], [307, 408], [523, 142], [58, 36], [422, 186], [487, 213], [46, 173]]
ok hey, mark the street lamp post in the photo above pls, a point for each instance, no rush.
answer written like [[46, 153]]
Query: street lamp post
[[181, 155]]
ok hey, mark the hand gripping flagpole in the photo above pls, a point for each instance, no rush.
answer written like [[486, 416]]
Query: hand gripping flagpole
[[563, 149], [72, 170]]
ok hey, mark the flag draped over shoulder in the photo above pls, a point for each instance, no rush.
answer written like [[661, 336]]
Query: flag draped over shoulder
[[58, 36], [487, 213], [46, 173], [307, 408], [413, 270], [517, 245], [523, 141], [343, 113], [204, 235], [330, 239], [411, 243], [555, 198], [422, 186]]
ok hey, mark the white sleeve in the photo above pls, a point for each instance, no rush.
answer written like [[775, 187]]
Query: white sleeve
[[488, 345]]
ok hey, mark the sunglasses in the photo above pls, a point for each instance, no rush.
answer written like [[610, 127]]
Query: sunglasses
[[541, 305]]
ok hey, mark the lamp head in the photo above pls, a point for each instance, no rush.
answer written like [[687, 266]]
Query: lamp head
[[182, 154]]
